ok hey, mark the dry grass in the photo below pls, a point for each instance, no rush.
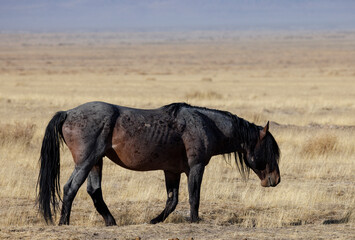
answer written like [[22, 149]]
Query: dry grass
[[17, 133], [325, 144], [303, 85], [203, 95]]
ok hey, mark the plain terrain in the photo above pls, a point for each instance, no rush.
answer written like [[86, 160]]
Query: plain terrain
[[303, 82]]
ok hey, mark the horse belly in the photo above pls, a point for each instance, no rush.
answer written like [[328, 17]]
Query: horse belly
[[143, 153]]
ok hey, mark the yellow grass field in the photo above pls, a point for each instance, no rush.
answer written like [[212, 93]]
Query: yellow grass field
[[303, 82]]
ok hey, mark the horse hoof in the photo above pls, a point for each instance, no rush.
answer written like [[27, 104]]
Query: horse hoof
[[111, 222], [154, 221]]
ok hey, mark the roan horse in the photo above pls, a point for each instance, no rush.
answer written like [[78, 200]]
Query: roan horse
[[176, 138]]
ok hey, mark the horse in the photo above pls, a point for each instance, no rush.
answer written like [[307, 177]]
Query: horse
[[176, 138]]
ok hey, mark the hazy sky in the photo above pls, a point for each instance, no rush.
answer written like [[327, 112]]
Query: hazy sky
[[102, 15]]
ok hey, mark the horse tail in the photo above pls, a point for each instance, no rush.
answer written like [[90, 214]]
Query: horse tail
[[48, 183]]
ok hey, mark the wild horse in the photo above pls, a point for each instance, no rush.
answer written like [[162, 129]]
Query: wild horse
[[177, 138]]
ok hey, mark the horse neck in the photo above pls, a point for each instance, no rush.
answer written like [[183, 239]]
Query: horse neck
[[245, 133], [235, 133], [241, 135]]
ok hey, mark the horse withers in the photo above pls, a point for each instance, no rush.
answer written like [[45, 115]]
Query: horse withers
[[176, 138]]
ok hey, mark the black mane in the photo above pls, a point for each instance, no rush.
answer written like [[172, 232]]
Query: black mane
[[247, 132]]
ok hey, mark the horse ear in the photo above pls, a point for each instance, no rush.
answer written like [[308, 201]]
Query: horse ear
[[264, 131]]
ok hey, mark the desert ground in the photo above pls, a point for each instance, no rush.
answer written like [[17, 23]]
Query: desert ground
[[302, 82]]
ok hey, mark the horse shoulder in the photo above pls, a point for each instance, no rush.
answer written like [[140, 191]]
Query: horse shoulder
[[196, 138]]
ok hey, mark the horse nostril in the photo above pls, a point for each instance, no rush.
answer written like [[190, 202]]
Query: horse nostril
[[273, 181], [269, 180]]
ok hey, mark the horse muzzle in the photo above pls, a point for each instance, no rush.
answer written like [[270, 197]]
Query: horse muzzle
[[271, 179]]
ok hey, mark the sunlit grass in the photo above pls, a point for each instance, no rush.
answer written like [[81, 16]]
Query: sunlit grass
[[311, 112]]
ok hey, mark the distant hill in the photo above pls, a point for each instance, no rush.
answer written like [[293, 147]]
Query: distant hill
[[93, 15]]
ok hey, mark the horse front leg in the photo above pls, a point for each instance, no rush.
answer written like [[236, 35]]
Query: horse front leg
[[172, 182], [194, 185]]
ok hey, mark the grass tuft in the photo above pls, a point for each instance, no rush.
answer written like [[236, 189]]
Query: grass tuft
[[321, 145]]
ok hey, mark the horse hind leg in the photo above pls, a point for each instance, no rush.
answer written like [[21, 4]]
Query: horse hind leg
[[66, 206], [71, 188], [75, 181], [95, 192], [172, 181]]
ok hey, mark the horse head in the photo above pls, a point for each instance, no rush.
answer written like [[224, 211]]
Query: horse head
[[263, 157]]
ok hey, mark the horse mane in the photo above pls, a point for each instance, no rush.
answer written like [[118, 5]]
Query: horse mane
[[174, 108], [240, 160], [247, 132], [272, 150]]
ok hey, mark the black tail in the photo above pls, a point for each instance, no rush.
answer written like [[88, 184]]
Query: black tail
[[48, 184]]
